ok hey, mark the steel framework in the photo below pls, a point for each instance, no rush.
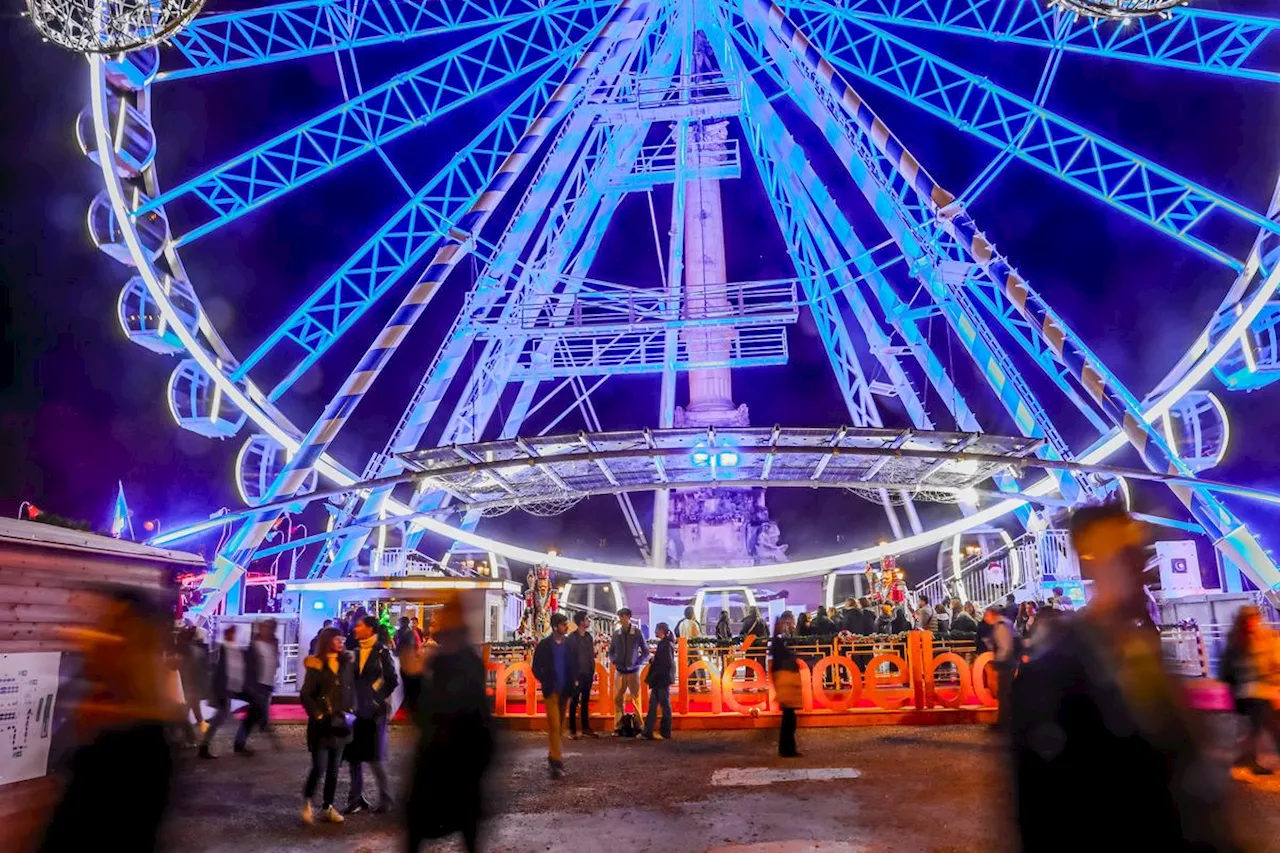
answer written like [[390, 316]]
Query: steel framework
[[606, 100]]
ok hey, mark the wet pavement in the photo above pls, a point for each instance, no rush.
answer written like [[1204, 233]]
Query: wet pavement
[[915, 790]]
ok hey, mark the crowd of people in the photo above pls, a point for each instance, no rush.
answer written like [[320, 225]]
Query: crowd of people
[[1094, 717]]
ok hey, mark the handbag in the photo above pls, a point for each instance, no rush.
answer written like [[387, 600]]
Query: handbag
[[342, 724]]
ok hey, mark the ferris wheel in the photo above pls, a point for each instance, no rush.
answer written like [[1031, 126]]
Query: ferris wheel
[[602, 99]]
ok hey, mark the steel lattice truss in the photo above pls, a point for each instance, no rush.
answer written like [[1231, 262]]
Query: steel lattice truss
[[600, 101], [519, 472]]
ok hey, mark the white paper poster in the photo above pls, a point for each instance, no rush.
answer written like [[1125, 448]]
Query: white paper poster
[[28, 688]]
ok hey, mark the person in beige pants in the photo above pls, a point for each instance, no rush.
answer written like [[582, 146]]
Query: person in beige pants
[[627, 652]]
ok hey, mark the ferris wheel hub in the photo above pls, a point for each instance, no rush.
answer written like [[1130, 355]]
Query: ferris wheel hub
[[97, 26], [1119, 10]]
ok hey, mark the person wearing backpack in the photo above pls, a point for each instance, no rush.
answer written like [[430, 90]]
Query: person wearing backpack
[[375, 680], [627, 652], [1251, 668]]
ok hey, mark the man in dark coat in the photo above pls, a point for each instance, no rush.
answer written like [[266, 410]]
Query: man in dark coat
[[455, 743], [375, 681], [555, 666], [583, 646], [1098, 722]]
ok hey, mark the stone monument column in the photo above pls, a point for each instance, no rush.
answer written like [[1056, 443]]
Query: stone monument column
[[705, 292]]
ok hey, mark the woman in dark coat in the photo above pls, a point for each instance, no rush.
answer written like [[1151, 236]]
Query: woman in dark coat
[[785, 666], [375, 681], [455, 744], [328, 695]]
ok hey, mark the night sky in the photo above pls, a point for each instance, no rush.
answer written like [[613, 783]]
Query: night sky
[[81, 407]]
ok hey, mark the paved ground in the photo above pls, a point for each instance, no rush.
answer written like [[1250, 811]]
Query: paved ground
[[917, 790]]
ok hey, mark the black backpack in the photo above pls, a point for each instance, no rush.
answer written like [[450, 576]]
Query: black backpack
[[629, 727]]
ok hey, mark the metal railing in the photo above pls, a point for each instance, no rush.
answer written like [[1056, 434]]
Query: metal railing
[[287, 674], [1032, 561]]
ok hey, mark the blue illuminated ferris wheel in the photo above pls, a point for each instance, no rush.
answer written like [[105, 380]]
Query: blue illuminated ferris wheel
[[602, 99]]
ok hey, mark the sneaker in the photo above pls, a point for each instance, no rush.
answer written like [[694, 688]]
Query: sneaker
[[356, 806], [573, 735], [205, 752], [591, 734], [307, 817], [384, 805], [330, 814], [1259, 770], [657, 736], [244, 751], [557, 771]]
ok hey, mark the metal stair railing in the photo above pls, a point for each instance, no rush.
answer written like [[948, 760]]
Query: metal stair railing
[[1024, 563]]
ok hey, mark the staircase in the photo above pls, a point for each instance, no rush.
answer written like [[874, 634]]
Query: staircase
[[1032, 563]]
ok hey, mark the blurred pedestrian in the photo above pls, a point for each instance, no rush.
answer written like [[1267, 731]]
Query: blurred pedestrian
[[262, 661], [1099, 726], [455, 740], [1002, 642], [555, 666], [1251, 667], [583, 647], [328, 696], [409, 654], [802, 625], [119, 782], [660, 677], [227, 684], [193, 670], [627, 652], [724, 628], [375, 680], [786, 679], [183, 731]]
